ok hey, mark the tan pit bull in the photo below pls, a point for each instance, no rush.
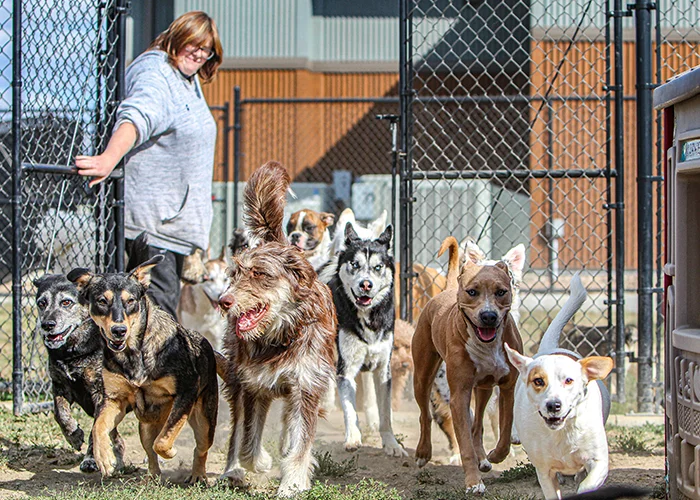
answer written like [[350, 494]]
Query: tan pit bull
[[466, 327]]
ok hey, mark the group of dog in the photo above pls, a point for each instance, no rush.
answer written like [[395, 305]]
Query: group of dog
[[301, 311]]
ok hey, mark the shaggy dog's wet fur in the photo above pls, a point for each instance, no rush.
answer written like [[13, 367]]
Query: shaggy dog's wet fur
[[280, 340]]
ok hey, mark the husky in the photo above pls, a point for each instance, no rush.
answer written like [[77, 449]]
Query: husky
[[363, 294]]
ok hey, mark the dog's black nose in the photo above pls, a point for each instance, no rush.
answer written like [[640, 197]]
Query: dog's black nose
[[489, 318], [366, 286], [48, 325], [119, 331], [294, 237], [553, 406]]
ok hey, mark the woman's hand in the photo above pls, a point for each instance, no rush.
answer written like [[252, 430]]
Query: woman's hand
[[101, 166], [98, 166]]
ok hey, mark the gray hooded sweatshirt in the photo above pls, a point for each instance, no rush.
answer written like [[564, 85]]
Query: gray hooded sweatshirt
[[168, 173]]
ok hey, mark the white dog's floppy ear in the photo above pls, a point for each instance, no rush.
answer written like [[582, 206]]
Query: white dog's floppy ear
[[516, 259], [516, 359], [596, 367]]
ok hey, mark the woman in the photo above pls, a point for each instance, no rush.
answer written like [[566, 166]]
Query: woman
[[166, 132]]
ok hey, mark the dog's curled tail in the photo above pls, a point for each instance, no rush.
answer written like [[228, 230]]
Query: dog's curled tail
[[577, 296], [264, 201], [450, 243]]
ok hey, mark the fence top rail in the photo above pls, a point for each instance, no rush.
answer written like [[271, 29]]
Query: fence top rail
[[508, 174], [520, 98]]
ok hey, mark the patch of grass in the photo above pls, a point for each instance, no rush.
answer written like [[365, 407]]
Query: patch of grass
[[327, 467], [521, 470], [425, 476], [400, 438], [631, 440], [659, 490], [129, 489]]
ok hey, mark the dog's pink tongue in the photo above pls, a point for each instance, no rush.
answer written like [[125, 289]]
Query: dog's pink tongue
[[486, 334]]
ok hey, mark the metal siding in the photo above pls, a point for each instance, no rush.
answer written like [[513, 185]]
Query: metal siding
[[255, 28]]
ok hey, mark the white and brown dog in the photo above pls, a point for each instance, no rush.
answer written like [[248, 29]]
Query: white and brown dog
[[308, 231], [561, 406], [198, 308], [280, 340]]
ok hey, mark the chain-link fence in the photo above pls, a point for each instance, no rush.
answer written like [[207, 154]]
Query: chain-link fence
[[337, 150], [67, 58]]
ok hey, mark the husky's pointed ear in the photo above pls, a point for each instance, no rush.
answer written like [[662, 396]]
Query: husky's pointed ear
[[143, 272], [516, 359], [81, 277], [385, 237], [222, 255], [350, 234]]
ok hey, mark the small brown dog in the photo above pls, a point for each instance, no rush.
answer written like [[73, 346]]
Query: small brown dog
[[467, 327], [280, 340]]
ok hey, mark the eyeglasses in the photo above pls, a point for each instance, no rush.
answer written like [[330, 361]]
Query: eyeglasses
[[205, 52]]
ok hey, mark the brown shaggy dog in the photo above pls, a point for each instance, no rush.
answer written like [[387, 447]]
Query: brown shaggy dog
[[280, 340]]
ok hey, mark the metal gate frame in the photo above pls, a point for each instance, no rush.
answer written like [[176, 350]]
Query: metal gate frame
[[106, 200], [612, 97]]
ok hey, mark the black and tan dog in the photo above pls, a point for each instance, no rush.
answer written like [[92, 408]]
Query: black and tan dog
[[164, 371], [75, 361]]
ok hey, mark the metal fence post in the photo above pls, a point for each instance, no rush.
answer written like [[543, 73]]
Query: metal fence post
[[619, 205], [642, 11], [236, 149], [405, 95], [17, 370]]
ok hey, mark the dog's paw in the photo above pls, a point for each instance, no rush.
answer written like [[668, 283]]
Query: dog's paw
[[391, 446], [88, 465], [485, 466], [76, 439], [421, 462], [497, 456], [234, 477], [263, 462], [199, 478], [477, 489]]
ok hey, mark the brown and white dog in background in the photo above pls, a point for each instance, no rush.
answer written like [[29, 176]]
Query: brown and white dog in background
[[280, 340], [467, 326], [198, 308], [308, 231]]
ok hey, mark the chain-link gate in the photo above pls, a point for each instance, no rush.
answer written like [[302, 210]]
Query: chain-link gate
[[67, 75], [507, 135]]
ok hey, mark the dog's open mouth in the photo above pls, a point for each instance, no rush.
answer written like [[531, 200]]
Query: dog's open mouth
[[116, 345], [555, 422], [250, 319], [55, 338], [362, 300], [484, 334]]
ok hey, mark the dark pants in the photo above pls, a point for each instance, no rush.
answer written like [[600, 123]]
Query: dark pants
[[165, 278]]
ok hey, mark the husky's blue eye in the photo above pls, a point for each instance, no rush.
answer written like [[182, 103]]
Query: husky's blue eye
[[471, 292], [378, 267], [355, 265]]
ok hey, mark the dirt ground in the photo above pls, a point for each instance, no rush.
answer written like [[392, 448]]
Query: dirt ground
[[44, 476]]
